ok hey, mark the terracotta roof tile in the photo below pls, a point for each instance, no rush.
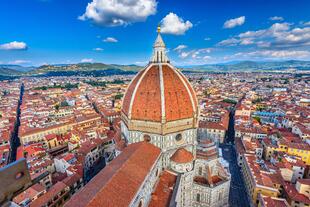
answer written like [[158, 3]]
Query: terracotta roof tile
[[182, 156], [163, 191], [118, 182]]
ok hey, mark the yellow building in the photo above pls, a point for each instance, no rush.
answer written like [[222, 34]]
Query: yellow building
[[301, 149], [259, 179]]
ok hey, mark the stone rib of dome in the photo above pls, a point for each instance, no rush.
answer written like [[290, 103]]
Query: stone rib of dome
[[147, 101], [159, 93]]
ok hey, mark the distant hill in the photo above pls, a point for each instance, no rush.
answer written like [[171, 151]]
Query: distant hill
[[252, 66], [83, 67], [109, 69], [9, 72], [18, 68]]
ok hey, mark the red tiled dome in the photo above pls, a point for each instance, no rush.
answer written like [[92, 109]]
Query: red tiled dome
[[182, 156], [159, 92]]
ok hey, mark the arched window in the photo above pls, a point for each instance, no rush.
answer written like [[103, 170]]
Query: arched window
[[147, 138], [178, 137], [140, 204], [200, 170]]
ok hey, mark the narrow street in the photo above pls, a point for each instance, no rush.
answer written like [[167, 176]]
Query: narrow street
[[14, 141], [237, 194]]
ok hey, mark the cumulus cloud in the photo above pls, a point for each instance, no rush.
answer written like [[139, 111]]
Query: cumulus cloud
[[98, 49], [195, 53], [14, 46], [172, 24], [180, 47], [276, 18], [231, 23], [207, 38], [110, 39], [118, 12], [87, 60], [278, 35]]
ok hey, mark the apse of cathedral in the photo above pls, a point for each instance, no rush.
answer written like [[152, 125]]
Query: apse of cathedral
[[163, 163]]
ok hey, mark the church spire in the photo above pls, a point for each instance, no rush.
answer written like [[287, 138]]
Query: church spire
[[159, 51]]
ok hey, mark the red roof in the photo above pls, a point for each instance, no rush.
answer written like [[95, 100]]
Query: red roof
[[118, 183], [294, 195], [53, 191], [182, 156], [164, 189], [304, 181]]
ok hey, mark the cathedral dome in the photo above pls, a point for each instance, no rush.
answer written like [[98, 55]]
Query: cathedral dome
[[160, 93]]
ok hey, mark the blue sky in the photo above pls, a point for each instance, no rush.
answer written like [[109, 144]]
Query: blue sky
[[35, 32]]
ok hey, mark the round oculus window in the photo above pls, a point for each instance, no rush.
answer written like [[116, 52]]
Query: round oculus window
[[178, 137]]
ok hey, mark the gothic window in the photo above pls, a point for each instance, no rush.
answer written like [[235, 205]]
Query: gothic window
[[198, 197], [200, 170]]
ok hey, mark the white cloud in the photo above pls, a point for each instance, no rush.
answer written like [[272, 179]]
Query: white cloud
[[293, 38], [307, 23], [195, 54], [98, 49], [278, 35], [180, 47], [87, 60], [184, 54], [110, 39], [231, 23], [118, 12], [172, 24], [228, 42], [276, 18], [207, 38], [14, 46], [207, 57], [271, 55], [141, 63], [246, 41], [18, 62]]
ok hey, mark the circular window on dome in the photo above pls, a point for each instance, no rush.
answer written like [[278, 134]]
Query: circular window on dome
[[178, 137], [147, 138]]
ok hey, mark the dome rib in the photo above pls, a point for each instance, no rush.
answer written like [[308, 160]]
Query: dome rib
[[159, 93]]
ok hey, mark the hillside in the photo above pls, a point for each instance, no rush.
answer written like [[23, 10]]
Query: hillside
[[8, 72], [252, 66], [82, 67], [98, 69]]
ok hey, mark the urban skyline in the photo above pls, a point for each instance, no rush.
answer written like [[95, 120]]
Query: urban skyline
[[176, 128]]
